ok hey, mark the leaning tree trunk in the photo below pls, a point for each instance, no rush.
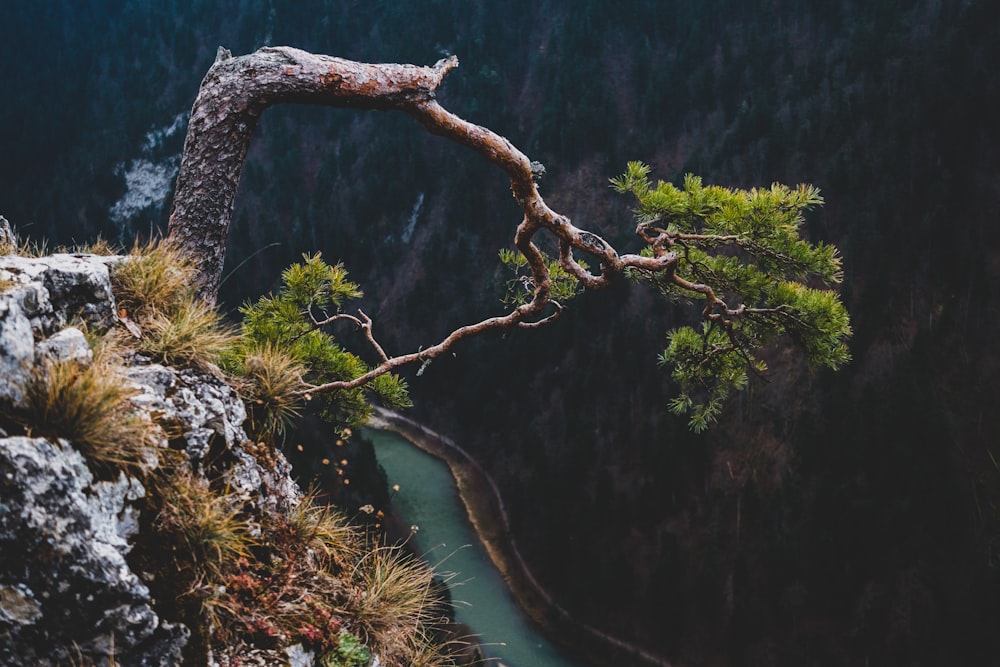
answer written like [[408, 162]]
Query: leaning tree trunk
[[237, 90], [233, 95]]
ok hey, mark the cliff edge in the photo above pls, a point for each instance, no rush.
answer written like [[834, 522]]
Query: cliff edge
[[140, 524]]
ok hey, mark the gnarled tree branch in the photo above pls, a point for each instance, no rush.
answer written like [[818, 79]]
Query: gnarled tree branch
[[233, 95], [236, 91]]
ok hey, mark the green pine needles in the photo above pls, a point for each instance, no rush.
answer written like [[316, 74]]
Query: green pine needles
[[311, 293], [521, 287], [739, 252]]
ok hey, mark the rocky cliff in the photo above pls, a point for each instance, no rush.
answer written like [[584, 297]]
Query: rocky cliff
[[178, 539], [67, 589]]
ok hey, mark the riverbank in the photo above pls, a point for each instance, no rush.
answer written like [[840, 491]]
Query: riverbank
[[486, 511]]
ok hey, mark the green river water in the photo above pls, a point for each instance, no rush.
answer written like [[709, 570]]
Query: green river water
[[428, 499]]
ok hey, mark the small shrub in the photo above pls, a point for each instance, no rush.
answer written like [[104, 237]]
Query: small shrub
[[311, 291], [349, 652]]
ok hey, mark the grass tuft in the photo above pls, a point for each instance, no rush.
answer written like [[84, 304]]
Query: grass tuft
[[270, 379], [208, 523], [24, 248], [154, 288], [12, 244], [100, 246], [398, 601], [325, 531], [194, 333], [155, 278], [429, 651], [88, 404]]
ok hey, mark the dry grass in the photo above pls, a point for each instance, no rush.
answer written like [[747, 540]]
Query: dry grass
[[325, 531], [154, 287], [154, 279], [271, 379], [207, 523], [275, 592], [24, 248], [193, 333], [77, 657], [99, 246], [13, 244], [431, 652], [88, 404], [308, 578], [397, 604]]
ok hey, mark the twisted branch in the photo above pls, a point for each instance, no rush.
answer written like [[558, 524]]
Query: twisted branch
[[237, 90]]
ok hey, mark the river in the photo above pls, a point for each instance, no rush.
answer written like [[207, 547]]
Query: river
[[428, 499]]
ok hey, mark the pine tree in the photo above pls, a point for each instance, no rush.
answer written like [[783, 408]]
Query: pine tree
[[740, 253]]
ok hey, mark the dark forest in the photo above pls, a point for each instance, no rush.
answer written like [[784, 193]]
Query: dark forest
[[846, 518]]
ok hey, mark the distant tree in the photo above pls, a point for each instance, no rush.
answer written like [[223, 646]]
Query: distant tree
[[737, 253]]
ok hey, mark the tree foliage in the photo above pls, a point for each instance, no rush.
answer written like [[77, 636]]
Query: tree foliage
[[742, 254], [311, 296]]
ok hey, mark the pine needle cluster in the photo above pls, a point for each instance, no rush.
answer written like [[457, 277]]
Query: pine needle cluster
[[742, 252], [520, 288], [281, 349]]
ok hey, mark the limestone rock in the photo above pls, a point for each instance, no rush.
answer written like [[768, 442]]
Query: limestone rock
[[7, 236], [65, 345], [208, 413], [55, 289], [63, 542], [68, 594], [17, 349], [43, 295]]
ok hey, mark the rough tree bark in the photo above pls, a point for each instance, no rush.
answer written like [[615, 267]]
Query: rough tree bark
[[237, 90], [233, 95]]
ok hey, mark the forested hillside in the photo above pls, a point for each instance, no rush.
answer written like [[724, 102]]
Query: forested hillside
[[847, 518]]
